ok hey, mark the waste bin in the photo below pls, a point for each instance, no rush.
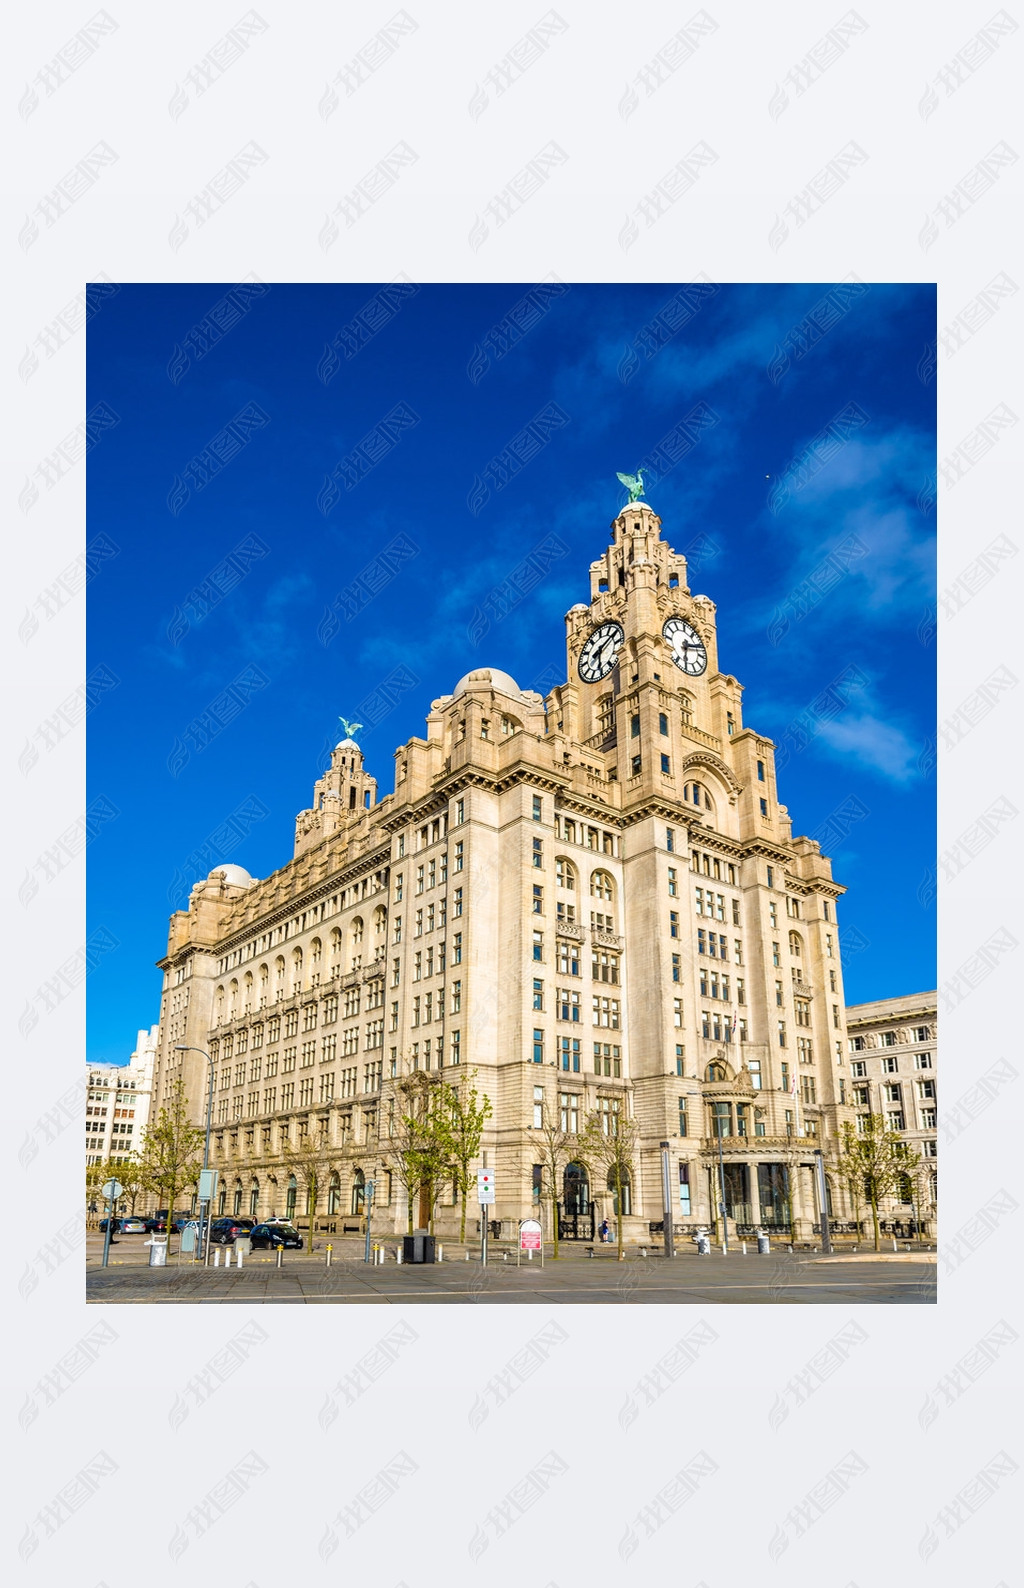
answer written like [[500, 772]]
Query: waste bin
[[243, 1244], [703, 1246], [158, 1251], [418, 1248], [188, 1237], [763, 1247]]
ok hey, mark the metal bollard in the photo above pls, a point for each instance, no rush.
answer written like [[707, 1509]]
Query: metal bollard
[[238, 1259], [280, 1255], [216, 1258], [329, 1251], [440, 1254], [227, 1258], [398, 1254], [894, 1246], [743, 1247]]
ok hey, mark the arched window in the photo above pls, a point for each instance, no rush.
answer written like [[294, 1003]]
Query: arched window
[[334, 1195], [218, 1007], [279, 977], [358, 1191], [316, 949], [264, 985], [796, 946], [254, 1199], [356, 930], [335, 950], [293, 1191], [380, 921], [606, 714], [233, 1000], [627, 1192], [715, 1072], [247, 993], [296, 969], [686, 702], [237, 1203], [602, 886], [565, 874], [576, 1188]]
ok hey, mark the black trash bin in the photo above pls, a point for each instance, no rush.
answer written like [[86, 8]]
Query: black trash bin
[[418, 1248]]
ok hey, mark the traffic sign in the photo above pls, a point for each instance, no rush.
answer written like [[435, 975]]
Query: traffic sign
[[112, 1189], [207, 1184], [529, 1236], [485, 1187]]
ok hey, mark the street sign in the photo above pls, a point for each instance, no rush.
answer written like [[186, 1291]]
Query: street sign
[[207, 1184], [529, 1236], [485, 1187], [112, 1189]]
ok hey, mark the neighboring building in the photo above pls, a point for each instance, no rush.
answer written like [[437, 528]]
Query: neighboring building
[[593, 900], [118, 1100], [892, 1062]]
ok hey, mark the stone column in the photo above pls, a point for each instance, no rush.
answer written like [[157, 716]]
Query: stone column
[[755, 1195]]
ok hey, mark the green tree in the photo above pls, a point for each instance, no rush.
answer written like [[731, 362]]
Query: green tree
[[130, 1173], [172, 1150], [610, 1142], [878, 1158], [465, 1115], [420, 1148]]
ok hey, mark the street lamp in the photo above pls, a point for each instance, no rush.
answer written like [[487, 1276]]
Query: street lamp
[[184, 1047], [666, 1198]]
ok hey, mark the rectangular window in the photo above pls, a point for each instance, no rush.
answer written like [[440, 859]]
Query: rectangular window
[[771, 876], [782, 1033], [538, 1108], [538, 994], [673, 923], [456, 1047], [923, 1061], [569, 1053], [538, 945], [538, 899], [672, 882], [890, 1066], [665, 765], [538, 852], [754, 1067], [677, 1011], [682, 1117], [775, 954], [679, 1058], [636, 765], [460, 811], [835, 1016], [568, 957], [536, 808], [459, 860], [456, 997], [569, 1118], [670, 839], [567, 1005], [676, 967], [457, 902], [606, 1012], [634, 727], [538, 1047], [760, 779]]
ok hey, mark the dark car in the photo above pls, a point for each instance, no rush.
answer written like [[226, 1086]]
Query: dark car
[[157, 1225], [115, 1226], [223, 1231], [277, 1234]]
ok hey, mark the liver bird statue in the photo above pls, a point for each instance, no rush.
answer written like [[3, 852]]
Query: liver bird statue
[[351, 728], [634, 484]]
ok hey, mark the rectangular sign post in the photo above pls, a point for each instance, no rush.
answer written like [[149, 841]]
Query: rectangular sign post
[[485, 1197]]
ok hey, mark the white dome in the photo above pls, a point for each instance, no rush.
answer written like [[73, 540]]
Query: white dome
[[346, 744], [236, 875], [488, 675]]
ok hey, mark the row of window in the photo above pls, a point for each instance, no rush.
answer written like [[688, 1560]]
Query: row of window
[[345, 899], [890, 1064], [889, 1039]]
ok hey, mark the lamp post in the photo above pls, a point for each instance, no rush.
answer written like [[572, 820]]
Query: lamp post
[[719, 1122], [666, 1198], [204, 1205], [819, 1163]]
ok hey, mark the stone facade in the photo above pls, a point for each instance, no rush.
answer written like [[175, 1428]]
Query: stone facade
[[117, 1102], [593, 900], [893, 1061]]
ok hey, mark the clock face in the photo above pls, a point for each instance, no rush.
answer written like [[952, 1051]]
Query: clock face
[[601, 652], [688, 651]]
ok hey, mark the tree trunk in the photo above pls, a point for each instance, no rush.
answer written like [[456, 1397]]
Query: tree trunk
[[554, 1225], [874, 1220], [618, 1208], [463, 1188]]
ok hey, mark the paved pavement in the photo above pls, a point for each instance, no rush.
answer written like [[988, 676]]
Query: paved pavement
[[782, 1278]]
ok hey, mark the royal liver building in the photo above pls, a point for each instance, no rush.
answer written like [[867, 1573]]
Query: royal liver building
[[592, 902]]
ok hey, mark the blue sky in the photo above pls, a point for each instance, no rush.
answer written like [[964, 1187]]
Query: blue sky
[[828, 578]]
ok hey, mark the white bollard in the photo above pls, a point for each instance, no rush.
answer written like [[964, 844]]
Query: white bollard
[[216, 1258], [227, 1258], [398, 1254], [238, 1260], [894, 1246], [467, 1257], [440, 1254], [744, 1244]]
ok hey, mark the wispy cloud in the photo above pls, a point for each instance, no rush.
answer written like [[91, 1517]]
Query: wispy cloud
[[875, 744]]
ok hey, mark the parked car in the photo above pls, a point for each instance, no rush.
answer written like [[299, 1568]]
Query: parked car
[[157, 1225], [133, 1226], [276, 1234], [115, 1226], [223, 1231]]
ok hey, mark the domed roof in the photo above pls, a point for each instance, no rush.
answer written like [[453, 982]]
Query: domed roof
[[487, 675], [346, 744], [236, 875]]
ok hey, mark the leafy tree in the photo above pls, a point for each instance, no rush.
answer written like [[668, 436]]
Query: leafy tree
[[877, 1158], [420, 1148], [130, 1172], [610, 1141], [464, 1118], [172, 1149]]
